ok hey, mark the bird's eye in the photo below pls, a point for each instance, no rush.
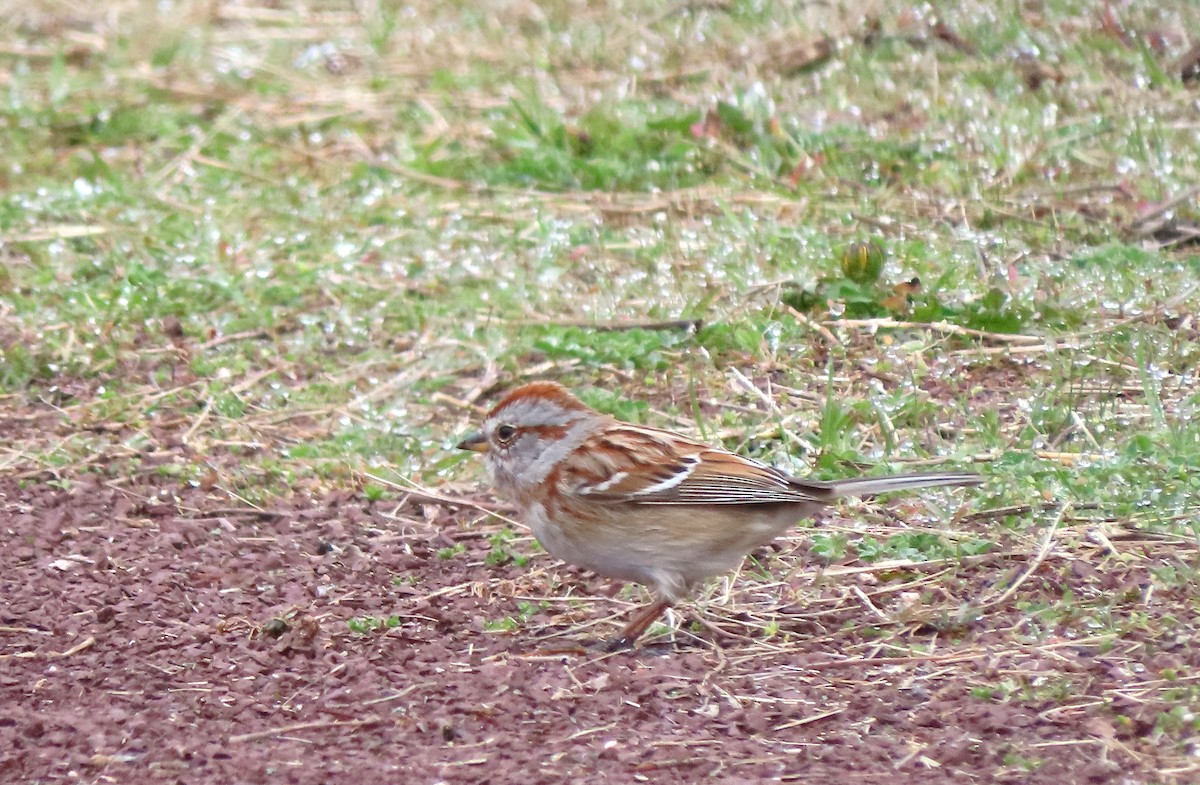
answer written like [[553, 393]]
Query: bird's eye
[[505, 433]]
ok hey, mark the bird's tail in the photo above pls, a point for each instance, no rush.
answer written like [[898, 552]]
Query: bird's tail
[[868, 486]]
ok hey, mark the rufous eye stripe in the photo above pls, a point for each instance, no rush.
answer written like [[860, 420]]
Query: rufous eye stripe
[[545, 431]]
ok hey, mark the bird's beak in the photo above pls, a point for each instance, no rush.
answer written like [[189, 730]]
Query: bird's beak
[[476, 442]]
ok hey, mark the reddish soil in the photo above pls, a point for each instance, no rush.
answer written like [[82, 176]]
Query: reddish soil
[[149, 633]]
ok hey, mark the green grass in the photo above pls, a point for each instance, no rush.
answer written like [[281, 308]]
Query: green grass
[[364, 625], [168, 192]]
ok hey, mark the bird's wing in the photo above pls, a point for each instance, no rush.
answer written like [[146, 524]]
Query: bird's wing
[[648, 466]]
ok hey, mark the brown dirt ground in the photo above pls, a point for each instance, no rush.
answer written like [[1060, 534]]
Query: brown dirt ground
[[138, 645]]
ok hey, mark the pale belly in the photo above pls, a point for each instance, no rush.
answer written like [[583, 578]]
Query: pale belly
[[670, 548]]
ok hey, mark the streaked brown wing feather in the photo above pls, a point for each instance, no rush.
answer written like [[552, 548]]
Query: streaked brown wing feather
[[674, 470]]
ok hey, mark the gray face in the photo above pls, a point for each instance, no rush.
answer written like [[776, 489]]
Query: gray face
[[528, 437]]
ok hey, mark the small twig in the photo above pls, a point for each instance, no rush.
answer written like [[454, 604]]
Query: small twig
[[437, 498], [808, 720], [208, 404], [429, 179], [865, 600], [819, 329], [298, 726], [960, 657], [1072, 190], [399, 693], [214, 163], [220, 125], [249, 335], [903, 564], [611, 326], [751, 387], [1100, 538], [237, 512], [1004, 512], [1049, 345], [25, 630], [579, 734], [87, 643], [941, 327], [65, 232], [1042, 553], [454, 501], [1144, 223], [686, 325], [1081, 427], [238, 497], [251, 380]]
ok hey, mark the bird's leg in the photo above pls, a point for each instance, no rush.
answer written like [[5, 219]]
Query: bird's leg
[[641, 621]]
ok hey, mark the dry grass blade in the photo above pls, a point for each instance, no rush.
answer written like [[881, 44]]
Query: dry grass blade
[[1047, 544]]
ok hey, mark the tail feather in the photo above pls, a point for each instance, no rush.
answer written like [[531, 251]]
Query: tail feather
[[868, 486]]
